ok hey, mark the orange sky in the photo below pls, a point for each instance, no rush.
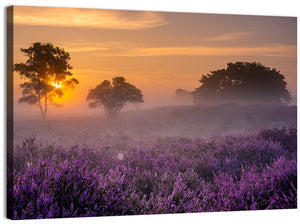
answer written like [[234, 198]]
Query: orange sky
[[158, 52]]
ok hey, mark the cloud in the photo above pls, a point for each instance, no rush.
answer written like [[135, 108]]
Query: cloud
[[89, 18], [85, 49], [91, 72], [277, 50], [229, 36], [130, 49], [82, 46]]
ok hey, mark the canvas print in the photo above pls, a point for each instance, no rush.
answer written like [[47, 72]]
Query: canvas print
[[119, 112]]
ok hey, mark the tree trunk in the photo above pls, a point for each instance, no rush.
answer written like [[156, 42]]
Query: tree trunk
[[43, 111], [46, 106], [41, 108]]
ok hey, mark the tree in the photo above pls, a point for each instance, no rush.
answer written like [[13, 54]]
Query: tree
[[183, 95], [47, 75], [243, 81], [113, 96]]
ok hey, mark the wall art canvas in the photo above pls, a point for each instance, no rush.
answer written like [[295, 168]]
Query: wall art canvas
[[119, 112]]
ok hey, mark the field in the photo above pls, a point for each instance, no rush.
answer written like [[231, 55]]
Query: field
[[164, 160]]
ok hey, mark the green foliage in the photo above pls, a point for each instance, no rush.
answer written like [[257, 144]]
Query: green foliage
[[113, 96], [243, 81], [46, 65]]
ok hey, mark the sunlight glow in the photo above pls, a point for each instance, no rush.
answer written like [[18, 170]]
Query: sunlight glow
[[57, 85]]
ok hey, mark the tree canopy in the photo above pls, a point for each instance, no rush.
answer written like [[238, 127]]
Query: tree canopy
[[243, 81], [113, 96], [47, 75]]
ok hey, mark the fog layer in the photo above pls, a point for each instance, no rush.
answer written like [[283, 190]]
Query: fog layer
[[145, 125]]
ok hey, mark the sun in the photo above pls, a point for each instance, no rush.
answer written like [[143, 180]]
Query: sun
[[57, 85], [60, 93]]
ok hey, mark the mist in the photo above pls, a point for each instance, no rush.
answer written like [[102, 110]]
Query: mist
[[142, 125]]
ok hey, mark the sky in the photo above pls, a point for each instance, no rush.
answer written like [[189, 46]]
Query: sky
[[158, 52]]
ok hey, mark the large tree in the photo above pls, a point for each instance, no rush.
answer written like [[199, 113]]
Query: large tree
[[113, 96], [243, 81], [46, 73]]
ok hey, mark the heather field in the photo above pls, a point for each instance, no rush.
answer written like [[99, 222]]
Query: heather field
[[170, 160]]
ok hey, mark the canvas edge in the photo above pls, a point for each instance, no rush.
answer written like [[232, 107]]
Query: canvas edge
[[9, 111]]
